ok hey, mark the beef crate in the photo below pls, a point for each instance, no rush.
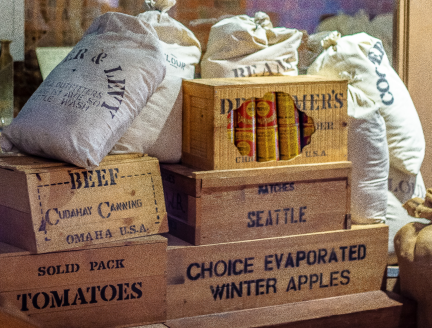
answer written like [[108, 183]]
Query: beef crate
[[210, 207], [208, 103], [48, 206], [121, 283], [273, 271]]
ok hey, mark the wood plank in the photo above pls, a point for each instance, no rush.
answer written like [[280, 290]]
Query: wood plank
[[216, 82], [414, 27], [266, 272], [139, 257], [10, 318], [369, 309], [110, 285], [17, 196]]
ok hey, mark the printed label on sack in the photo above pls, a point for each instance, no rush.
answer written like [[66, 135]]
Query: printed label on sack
[[276, 67], [57, 90], [376, 56]]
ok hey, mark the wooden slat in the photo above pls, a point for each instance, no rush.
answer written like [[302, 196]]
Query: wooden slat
[[11, 318], [263, 265], [139, 257], [369, 309], [261, 81]]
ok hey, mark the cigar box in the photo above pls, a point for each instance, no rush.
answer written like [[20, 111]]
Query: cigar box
[[106, 285], [48, 205], [210, 207], [208, 103], [252, 274]]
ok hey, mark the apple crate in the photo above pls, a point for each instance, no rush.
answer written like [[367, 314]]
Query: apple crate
[[252, 274]]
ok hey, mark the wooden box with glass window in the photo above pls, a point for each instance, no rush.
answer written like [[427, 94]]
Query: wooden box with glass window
[[236, 123]]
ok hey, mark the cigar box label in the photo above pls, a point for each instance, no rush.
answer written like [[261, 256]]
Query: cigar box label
[[267, 144], [245, 129], [246, 142], [267, 128], [289, 127]]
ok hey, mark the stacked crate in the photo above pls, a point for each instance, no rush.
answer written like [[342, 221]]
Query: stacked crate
[[83, 248], [247, 234]]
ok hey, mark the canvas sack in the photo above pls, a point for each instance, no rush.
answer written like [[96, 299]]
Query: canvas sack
[[362, 60], [91, 98], [368, 152], [242, 46], [157, 130], [401, 188]]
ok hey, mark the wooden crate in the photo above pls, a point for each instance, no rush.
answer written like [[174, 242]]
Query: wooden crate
[[106, 285], [210, 207], [252, 274], [207, 103], [48, 206]]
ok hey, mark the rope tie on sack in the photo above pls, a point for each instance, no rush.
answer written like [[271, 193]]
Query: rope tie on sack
[[263, 20], [160, 5], [331, 40]]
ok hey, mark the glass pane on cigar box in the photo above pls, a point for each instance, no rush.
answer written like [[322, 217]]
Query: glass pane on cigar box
[[61, 23]]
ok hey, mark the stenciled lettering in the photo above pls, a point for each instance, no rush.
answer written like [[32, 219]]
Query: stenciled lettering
[[118, 87], [220, 268], [275, 188], [88, 236], [58, 269], [276, 217], [376, 55], [105, 209], [92, 179], [99, 294]]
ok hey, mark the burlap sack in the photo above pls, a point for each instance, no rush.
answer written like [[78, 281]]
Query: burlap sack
[[157, 130], [368, 152], [242, 46], [90, 99]]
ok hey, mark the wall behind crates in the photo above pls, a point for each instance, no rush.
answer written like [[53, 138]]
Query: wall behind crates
[[58, 23]]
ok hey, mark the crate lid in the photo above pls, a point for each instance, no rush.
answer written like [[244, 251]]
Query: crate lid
[[29, 164], [221, 82]]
